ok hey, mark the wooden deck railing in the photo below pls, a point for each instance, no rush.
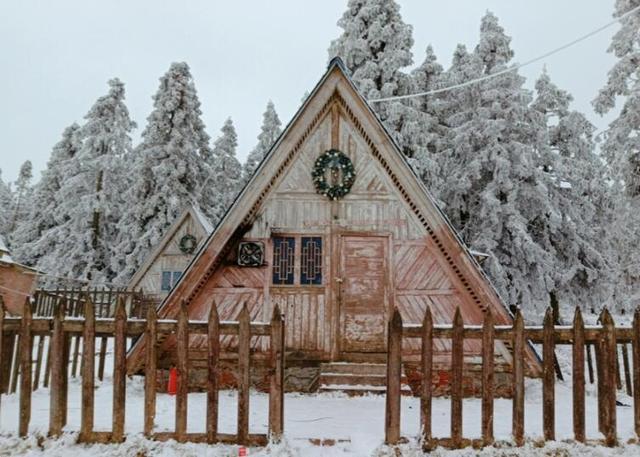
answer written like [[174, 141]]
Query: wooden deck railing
[[605, 338], [60, 329]]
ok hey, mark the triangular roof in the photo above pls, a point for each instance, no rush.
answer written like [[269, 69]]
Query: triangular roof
[[335, 86], [190, 211]]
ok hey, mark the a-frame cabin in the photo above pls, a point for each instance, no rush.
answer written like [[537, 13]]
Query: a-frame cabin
[[347, 232]]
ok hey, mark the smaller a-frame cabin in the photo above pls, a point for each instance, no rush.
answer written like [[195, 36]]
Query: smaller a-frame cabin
[[337, 230], [164, 265], [17, 281]]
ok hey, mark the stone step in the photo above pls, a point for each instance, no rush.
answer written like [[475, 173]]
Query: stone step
[[353, 379], [354, 368], [359, 390]]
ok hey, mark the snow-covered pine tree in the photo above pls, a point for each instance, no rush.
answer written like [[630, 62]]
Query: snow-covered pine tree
[[36, 236], [266, 138], [621, 149], [375, 45], [6, 205], [168, 169], [226, 179], [580, 195], [494, 193], [91, 198], [22, 196]]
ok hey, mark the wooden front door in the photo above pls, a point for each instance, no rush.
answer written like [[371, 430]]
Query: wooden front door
[[363, 292]]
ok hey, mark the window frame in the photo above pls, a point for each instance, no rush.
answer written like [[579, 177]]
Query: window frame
[[297, 258]]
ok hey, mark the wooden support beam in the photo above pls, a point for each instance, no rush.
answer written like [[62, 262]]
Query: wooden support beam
[[394, 375]]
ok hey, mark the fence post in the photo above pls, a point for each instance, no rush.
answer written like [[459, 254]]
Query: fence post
[[548, 376], [38, 367], [182, 352], [88, 371], [150, 372], [457, 361], [212, 367], [394, 374], [578, 377], [518, 379], [636, 371], [487, 378], [25, 370], [276, 391], [119, 372], [610, 348], [2, 346], [427, 374], [58, 372], [244, 345]]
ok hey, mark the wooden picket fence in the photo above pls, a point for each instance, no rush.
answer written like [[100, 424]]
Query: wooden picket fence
[[604, 337], [61, 328]]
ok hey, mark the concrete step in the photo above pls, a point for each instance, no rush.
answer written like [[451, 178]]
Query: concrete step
[[358, 390], [353, 379], [354, 368], [356, 378]]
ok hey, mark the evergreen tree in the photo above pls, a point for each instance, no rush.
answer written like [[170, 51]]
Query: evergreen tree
[[22, 195], [621, 149], [36, 236], [577, 182], [375, 45], [226, 178], [6, 204], [268, 134], [168, 170], [91, 194]]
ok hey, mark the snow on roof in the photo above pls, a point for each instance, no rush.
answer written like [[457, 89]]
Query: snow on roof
[[204, 221], [5, 255]]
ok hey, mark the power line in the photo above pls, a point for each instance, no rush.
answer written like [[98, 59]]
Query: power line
[[512, 68]]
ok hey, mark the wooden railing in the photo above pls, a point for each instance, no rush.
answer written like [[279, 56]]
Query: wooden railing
[[605, 338], [60, 328]]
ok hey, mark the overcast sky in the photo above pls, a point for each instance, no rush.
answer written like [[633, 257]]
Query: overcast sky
[[56, 56]]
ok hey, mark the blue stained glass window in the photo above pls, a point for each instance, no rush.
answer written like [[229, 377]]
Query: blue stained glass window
[[311, 260], [283, 260]]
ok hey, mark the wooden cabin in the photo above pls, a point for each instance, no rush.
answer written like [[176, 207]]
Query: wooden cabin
[[163, 267], [336, 229], [17, 281]]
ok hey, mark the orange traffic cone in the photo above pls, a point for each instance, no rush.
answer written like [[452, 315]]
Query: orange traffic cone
[[172, 387]]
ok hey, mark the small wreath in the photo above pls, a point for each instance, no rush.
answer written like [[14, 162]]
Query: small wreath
[[340, 168], [188, 244]]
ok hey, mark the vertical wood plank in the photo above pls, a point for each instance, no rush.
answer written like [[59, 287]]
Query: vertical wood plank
[[601, 386], [102, 357], [578, 377], [457, 361], [88, 371], [38, 367], [548, 377], [119, 372], [47, 367], [627, 371], [151, 338], [635, 347], [488, 345], [58, 372], [610, 348], [427, 375], [65, 373], [518, 379], [25, 369], [394, 374], [276, 389], [182, 353], [212, 375], [244, 340]]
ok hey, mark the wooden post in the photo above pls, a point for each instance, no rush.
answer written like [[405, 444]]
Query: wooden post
[[487, 378], [610, 348], [25, 370], [102, 357], [394, 374], [119, 372], [457, 362], [244, 345], [2, 348], [636, 371], [276, 390], [47, 367], [548, 377], [427, 374], [182, 353], [58, 371], [88, 371], [212, 367], [518, 379], [38, 367], [590, 363], [627, 371], [578, 377], [602, 382], [150, 372]]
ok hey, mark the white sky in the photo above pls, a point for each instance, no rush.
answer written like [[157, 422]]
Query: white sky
[[56, 56]]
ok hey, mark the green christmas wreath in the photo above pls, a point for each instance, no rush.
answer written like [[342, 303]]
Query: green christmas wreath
[[341, 172], [188, 244]]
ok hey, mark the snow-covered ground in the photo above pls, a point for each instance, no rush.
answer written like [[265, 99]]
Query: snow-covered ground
[[356, 424]]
